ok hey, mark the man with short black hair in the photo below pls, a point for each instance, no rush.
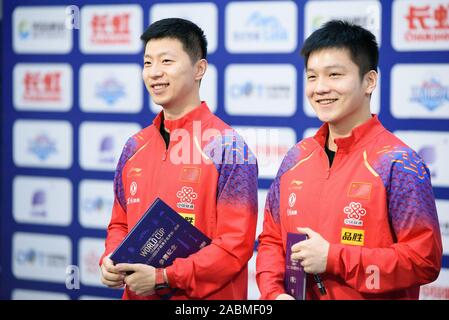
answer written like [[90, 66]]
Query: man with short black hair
[[362, 196], [194, 162]]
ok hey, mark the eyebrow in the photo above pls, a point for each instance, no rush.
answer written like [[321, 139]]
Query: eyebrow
[[333, 66], [160, 54]]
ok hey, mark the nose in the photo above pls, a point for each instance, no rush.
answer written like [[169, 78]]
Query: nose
[[321, 85], [155, 71]]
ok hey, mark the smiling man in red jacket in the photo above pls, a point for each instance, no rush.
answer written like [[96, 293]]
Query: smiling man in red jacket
[[194, 162], [363, 197]]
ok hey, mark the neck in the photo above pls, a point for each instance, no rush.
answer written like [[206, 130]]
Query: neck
[[344, 129], [174, 113]]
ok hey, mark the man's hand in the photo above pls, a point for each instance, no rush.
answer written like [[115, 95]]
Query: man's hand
[[311, 252], [110, 276], [284, 296], [142, 280]]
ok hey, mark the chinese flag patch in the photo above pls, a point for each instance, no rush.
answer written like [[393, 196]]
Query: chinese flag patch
[[361, 190], [190, 174]]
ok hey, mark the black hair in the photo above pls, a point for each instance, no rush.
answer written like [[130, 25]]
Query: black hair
[[360, 42], [189, 34]]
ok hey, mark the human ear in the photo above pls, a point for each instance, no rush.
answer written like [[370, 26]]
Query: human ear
[[370, 80], [200, 69]]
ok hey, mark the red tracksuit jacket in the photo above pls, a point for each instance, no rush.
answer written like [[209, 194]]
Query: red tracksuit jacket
[[209, 175], [374, 205]]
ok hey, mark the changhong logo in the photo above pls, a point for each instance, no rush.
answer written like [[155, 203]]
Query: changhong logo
[[110, 28], [42, 86]]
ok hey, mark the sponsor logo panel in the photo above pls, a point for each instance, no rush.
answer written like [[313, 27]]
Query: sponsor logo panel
[[96, 198], [420, 25], [89, 254], [43, 87], [364, 13], [111, 29], [111, 88], [420, 91], [42, 144], [101, 143], [261, 27], [260, 90], [41, 29], [42, 257], [42, 200]]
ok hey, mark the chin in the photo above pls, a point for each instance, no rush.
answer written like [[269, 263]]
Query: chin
[[324, 117], [328, 115], [159, 101]]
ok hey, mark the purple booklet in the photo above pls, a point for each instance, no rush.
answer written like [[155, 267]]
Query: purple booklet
[[295, 277], [159, 237]]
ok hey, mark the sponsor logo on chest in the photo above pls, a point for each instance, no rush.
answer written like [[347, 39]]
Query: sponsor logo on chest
[[291, 203], [133, 192], [296, 185], [190, 217], [186, 197], [354, 212], [352, 236]]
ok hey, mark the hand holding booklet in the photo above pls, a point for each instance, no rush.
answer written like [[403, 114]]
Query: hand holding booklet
[[159, 237], [295, 276]]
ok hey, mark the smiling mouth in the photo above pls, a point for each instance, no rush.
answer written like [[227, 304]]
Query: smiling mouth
[[159, 86], [325, 101]]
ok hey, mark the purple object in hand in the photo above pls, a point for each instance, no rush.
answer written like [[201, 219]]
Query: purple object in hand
[[295, 277]]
